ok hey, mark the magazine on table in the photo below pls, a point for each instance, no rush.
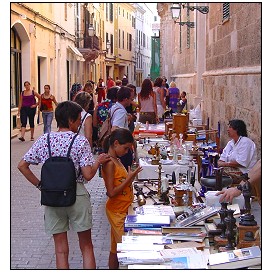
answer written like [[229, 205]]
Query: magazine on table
[[146, 239], [197, 217], [185, 258], [185, 233], [145, 221], [140, 257]]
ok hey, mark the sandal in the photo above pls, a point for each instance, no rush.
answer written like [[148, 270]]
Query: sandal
[[21, 139], [32, 139]]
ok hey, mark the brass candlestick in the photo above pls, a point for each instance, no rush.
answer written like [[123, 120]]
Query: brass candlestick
[[248, 230], [159, 179]]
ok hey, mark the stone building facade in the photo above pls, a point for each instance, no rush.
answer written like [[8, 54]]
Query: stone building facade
[[218, 62]]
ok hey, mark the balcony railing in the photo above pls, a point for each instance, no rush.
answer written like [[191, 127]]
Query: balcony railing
[[91, 42]]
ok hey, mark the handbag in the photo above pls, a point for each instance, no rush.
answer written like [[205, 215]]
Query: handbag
[[18, 122]]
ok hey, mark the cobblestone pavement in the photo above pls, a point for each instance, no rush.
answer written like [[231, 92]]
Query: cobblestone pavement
[[31, 247]]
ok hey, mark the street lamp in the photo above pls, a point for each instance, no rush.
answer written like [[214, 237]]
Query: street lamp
[[176, 13], [175, 10], [108, 46], [91, 33], [91, 30]]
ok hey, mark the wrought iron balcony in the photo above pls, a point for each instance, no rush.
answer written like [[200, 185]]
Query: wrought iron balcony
[[91, 42], [90, 50]]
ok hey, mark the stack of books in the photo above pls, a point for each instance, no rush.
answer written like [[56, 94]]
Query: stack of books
[[139, 257], [185, 258], [197, 234], [143, 250], [145, 221], [147, 252], [234, 259], [146, 239], [157, 210], [141, 231]]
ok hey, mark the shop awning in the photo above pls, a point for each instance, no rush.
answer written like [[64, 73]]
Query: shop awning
[[79, 56]]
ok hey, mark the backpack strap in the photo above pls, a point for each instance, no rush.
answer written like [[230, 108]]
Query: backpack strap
[[69, 149], [71, 144], [48, 143]]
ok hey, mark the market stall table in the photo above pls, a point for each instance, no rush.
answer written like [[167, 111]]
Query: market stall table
[[154, 130], [150, 171]]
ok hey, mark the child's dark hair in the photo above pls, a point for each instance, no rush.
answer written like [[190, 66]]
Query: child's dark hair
[[65, 111], [122, 135]]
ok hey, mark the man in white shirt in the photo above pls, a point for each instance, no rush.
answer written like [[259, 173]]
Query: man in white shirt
[[124, 98], [120, 118], [240, 153]]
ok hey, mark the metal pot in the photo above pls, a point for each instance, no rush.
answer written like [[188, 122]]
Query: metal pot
[[210, 182]]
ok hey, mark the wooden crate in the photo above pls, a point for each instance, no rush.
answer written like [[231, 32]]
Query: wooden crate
[[168, 125], [180, 124]]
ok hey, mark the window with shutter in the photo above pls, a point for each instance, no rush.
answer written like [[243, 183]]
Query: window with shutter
[[226, 11]]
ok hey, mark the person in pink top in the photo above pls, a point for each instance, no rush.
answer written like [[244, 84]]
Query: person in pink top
[[27, 110], [147, 103]]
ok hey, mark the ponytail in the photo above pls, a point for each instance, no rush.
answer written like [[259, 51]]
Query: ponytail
[[106, 144]]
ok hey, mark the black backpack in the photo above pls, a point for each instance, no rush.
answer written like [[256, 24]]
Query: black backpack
[[58, 179]]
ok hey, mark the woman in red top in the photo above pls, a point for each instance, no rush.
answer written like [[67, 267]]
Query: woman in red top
[[46, 106], [27, 109]]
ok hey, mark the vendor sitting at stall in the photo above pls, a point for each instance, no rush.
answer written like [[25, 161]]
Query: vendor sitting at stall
[[240, 153]]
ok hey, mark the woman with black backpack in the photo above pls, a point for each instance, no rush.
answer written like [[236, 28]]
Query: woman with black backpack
[[79, 214]]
